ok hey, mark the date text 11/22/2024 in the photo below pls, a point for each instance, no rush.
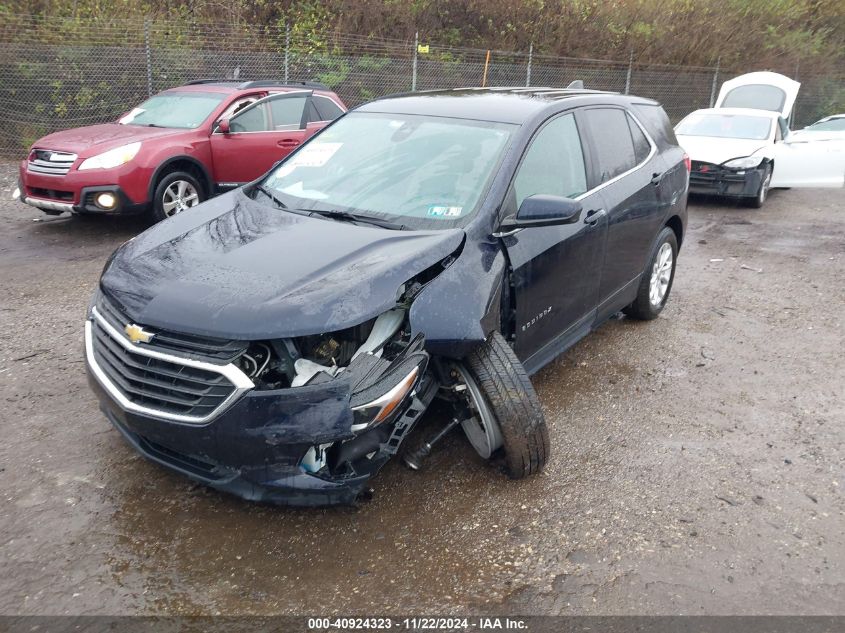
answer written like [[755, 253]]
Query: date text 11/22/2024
[[417, 624]]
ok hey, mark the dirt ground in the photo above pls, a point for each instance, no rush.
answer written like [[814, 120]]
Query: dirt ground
[[698, 463]]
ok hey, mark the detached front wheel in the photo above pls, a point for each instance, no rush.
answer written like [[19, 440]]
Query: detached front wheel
[[504, 410]]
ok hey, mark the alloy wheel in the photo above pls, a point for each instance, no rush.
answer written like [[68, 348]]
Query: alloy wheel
[[178, 196], [661, 274]]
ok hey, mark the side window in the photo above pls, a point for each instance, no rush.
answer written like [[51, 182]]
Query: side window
[[287, 112], [642, 147], [611, 136], [327, 109], [553, 164], [783, 129], [313, 115], [239, 105], [254, 119]]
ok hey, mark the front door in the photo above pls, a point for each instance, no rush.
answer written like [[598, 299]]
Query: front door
[[259, 136], [555, 269], [804, 162]]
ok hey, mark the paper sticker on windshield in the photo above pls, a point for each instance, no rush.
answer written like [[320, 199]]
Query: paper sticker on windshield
[[444, 211], [314, 155], [129, 116]]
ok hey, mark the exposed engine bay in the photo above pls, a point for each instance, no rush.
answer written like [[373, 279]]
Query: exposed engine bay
[[386, 371]]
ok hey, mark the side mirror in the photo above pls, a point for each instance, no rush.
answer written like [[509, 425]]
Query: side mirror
[[223, 126], [543, 210]]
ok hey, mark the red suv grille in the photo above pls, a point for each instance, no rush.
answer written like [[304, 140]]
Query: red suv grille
[[45, 161]]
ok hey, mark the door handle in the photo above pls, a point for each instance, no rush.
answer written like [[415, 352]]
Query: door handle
[[657, 177], [592, 218], [288, 143]]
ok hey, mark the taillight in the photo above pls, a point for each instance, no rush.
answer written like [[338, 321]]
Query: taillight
[[687, 163]]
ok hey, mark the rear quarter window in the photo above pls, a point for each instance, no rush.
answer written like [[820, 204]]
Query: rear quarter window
[[656, 122]]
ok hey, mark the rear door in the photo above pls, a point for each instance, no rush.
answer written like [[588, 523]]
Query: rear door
[[260, 135], [555, 269], [629, 171], [761, 91]]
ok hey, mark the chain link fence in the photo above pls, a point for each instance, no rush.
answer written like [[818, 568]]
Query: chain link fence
[[60, 73]]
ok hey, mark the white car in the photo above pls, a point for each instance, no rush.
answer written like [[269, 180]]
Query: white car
[[743, 146], [831, 127]]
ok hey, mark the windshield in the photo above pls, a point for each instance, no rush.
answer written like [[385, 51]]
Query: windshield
[[726, 126], [420, 171], [184, 110], [831, 125]]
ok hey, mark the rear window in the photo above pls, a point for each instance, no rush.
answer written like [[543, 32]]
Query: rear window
[[758, 96]]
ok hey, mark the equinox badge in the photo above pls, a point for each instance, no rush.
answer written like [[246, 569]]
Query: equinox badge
[[137, 334]]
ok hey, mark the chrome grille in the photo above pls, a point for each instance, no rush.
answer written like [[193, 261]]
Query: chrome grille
[[214, 350], [161, 385], [45, 161]]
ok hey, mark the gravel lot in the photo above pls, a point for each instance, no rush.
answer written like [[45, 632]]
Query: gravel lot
[[697, 460]]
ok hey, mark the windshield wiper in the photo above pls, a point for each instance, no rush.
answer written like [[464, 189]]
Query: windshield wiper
[[346, 216], [269, 193]]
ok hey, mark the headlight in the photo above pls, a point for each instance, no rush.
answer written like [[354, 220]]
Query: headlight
[[748, 162], [112, 158], [380, 409]]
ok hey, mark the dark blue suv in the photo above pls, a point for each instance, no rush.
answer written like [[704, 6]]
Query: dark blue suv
[[281, 341]]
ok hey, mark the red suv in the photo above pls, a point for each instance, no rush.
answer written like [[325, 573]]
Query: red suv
[[176, 149]]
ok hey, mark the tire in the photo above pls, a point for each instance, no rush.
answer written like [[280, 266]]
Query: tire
[[647, 306], [494, 370], [174, 193], [763, 192]]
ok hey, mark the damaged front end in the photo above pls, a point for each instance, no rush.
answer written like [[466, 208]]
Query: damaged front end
[[296, 421]]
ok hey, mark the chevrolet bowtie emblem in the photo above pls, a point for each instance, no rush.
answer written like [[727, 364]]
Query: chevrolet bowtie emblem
[[137, 334]]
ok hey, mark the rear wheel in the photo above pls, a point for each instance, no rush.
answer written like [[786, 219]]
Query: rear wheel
[[504, 411], [656, 282], [176, 192], [763, 192]]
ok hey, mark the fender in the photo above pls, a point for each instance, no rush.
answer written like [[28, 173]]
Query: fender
[[461, 307], [209, 183]]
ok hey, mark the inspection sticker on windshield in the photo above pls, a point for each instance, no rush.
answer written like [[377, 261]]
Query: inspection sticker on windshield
[[315, 154], [444, 211]]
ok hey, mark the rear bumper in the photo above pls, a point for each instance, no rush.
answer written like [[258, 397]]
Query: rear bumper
[[724, 182], [76, 192]]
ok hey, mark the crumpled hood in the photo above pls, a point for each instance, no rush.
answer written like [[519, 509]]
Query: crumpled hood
[[95, 139], [238, 269], [717, 150]]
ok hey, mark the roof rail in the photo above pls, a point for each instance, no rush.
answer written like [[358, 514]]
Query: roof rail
[[269, 83], [261, 83], [211, 81]]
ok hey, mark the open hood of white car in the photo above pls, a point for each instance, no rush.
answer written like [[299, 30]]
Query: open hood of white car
[[761, 91], [709, 149]]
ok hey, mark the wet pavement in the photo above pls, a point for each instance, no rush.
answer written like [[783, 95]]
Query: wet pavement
[[697, 461]]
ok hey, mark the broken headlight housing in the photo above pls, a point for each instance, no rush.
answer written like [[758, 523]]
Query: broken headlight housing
[[746, 162]]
